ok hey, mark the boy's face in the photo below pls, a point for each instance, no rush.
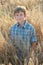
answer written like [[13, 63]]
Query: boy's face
[[20, 17]]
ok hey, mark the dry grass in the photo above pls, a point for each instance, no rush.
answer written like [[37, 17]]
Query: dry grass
[[34, 16]]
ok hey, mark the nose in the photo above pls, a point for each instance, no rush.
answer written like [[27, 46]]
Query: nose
[[19, 17]]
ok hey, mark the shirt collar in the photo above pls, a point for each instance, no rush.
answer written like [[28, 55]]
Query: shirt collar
[[24, 25]]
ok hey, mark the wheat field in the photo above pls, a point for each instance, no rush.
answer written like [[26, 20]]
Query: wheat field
[[34, 11]]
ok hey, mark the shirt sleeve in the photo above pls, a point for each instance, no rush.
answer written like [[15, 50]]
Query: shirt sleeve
[[11, 35], [33, 35]]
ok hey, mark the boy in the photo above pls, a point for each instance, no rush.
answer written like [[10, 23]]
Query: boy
[[23, 32]]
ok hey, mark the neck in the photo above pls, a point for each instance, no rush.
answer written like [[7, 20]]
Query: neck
[[22, 23]]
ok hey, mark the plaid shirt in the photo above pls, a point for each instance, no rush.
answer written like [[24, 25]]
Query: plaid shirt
[[24, 36]]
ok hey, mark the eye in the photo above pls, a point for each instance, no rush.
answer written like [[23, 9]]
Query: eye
[[17, 15]]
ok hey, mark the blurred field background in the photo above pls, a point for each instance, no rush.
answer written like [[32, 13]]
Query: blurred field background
[[34, 16], [34, 11]]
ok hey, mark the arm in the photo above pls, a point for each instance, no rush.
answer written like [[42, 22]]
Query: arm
[[33, 46], [33, 40], [11, 32]]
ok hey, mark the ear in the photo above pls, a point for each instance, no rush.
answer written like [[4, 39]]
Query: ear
[[24, 15], [14, 15]]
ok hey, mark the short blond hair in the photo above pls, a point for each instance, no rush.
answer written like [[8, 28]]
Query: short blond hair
[[20, 8]]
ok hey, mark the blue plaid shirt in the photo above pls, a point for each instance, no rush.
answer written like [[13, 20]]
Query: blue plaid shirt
[[24, 36]]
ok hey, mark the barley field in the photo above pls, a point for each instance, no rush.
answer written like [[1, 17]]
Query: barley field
[[34, 11]]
